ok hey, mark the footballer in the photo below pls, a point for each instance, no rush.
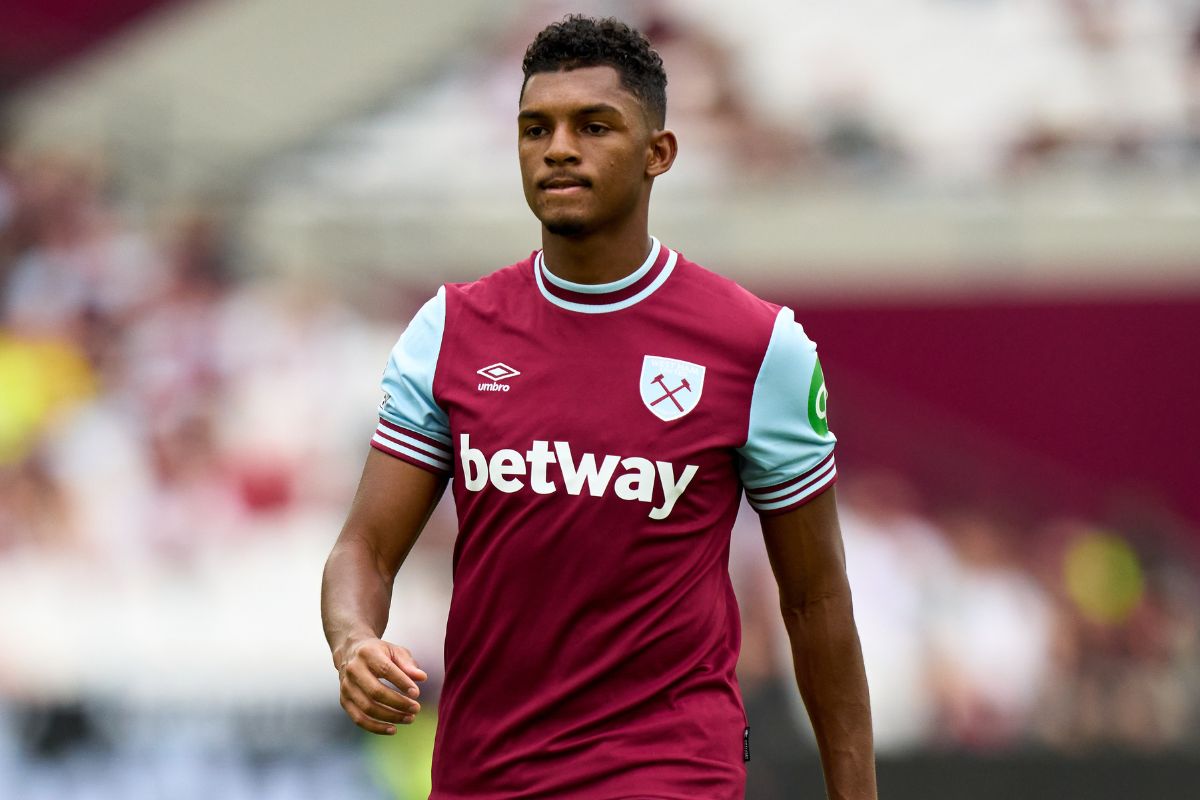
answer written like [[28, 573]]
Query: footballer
[[599, 408]]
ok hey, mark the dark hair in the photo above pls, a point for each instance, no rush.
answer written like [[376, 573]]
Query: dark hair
[[579, 41]]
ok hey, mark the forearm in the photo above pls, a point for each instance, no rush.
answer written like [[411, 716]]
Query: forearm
[[356, 595], [832, 681], [392, 505]]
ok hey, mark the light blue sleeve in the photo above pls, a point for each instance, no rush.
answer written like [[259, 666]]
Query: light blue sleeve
[[788, 456], [412, 426]]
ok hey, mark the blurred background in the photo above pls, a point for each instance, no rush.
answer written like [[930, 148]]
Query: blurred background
[[216, 217]]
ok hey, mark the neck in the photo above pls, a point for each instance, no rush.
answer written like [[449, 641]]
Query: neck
[[598, 258]]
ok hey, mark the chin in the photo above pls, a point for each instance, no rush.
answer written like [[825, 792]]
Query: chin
[[562, 222], [566, 227]]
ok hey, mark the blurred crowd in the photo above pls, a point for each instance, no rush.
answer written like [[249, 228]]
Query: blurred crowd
[[966, 90], [161, 412], [151, 400], [944, 93], [983, 637]]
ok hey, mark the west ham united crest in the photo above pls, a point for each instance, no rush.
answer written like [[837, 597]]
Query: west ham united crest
[[670, 388]]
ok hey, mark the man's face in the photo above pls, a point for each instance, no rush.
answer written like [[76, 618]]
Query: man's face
[[584, 145]]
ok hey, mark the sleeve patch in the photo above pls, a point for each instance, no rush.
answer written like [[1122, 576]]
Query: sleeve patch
[[818, 402]]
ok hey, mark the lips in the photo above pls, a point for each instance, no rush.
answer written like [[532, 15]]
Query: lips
[[562, 182]]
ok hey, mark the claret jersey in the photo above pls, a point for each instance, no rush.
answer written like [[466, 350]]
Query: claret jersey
[[599, 438]]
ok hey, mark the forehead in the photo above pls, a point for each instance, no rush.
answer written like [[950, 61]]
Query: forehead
[[568, 90]]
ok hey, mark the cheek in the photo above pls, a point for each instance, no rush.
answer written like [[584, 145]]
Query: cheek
[[525, 160], [622, 165], [529, 153]]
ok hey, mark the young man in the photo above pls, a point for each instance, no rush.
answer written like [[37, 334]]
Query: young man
[[600, 407]]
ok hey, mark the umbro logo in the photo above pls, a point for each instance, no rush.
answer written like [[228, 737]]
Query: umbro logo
[[497, 372]]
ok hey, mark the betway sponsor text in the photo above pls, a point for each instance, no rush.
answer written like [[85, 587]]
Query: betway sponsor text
[[511, 471]]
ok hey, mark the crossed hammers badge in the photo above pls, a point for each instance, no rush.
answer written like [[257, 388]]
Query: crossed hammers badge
[[670, 387]]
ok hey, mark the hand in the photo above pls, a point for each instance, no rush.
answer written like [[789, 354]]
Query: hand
[[372, 704]]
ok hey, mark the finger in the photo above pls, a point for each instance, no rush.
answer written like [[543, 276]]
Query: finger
[[363, 675], [372, 709], [390, 669], [366, 723], [405, 661]]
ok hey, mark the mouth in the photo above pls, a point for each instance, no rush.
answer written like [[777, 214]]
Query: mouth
[[564, 185]]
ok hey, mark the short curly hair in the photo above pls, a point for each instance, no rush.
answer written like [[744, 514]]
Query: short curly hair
[[580, 41]]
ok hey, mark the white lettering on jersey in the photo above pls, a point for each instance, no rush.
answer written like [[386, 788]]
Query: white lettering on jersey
[[574, 477], [538, 458], [497, 372], [505, 469], [672, 491]]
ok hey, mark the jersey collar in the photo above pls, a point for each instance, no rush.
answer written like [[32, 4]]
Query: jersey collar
[[599, 298]]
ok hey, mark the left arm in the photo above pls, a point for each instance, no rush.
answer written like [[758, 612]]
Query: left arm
[[806, 553]]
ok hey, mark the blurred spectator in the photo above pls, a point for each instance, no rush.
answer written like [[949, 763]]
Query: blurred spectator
[[991, 639]]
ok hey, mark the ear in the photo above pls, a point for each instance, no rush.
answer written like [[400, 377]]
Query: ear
[[660, 154]]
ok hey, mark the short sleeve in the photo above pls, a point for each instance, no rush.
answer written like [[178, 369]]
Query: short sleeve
[[788, 456], [412, 426]]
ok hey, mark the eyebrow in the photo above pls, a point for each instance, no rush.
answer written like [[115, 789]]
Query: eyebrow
[[597, 108]]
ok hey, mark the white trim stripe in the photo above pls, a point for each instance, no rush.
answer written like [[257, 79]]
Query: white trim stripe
[[607, 307], [407, 452], [792, 488], [798, 498], [602, 288], [397, 438], [385, 424]]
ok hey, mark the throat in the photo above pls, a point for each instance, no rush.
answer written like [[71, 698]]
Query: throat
[[594, 260]]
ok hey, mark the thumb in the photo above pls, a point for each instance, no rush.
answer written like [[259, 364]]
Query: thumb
[[402, 658]]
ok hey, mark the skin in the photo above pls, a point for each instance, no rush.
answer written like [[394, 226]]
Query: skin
[[807, 556], [589, 157], [390, 508], [584, 127]]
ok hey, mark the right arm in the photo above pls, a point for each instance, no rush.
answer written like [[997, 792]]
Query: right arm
[[392, 505]]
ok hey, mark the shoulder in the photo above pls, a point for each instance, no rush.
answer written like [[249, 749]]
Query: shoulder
[[726, 303], [735, 299], [495, 288]]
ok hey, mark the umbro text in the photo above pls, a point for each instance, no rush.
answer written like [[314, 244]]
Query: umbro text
[[494, 387], [637, 480]]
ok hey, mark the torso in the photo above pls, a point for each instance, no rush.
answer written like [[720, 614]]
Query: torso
[[593, 631]]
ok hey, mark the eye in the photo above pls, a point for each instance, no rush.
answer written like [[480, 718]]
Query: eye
[[534, 131], [596, 128]]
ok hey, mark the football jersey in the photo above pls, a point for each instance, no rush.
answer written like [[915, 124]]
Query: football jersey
[[599, 438]]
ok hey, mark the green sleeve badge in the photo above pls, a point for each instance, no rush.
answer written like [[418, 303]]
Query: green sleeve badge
[[818, 400]]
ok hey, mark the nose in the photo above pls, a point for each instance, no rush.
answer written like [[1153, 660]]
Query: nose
[[563, 148]]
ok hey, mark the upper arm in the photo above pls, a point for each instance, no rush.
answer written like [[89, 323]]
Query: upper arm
[[390, 508], [410, 460], [806, 551]]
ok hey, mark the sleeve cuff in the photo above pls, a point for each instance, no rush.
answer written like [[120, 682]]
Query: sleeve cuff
[[793, 493], [415, 448]]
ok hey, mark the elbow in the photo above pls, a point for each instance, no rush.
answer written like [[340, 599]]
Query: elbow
[[803, 604], [357, 547]]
